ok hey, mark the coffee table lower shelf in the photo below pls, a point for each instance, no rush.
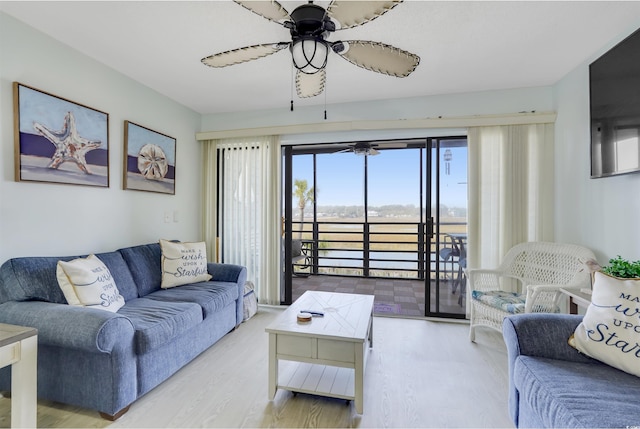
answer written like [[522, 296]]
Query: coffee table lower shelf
[[315, 379], [326, 356]]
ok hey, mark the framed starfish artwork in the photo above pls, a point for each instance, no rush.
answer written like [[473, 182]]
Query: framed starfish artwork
[[149, 160], [59, 141]]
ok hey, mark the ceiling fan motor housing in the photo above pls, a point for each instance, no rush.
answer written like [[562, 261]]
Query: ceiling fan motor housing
[[311, 20]]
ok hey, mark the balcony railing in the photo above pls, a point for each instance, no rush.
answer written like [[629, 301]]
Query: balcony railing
[[377, 249]]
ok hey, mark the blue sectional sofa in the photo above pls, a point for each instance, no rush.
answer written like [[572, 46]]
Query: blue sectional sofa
[[103, 360], [552, 385]]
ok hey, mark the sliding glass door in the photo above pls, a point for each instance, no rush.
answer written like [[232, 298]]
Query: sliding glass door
[[365, 220], [447, 180]]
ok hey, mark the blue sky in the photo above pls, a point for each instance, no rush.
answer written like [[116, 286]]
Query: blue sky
[[393, 178]]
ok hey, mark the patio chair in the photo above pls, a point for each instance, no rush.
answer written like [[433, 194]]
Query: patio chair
[[456, 254], [448, 255], [300, 257], [537, 270]]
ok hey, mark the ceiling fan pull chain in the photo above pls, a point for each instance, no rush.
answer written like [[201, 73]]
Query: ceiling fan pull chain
[[291, 87], [325, 98]]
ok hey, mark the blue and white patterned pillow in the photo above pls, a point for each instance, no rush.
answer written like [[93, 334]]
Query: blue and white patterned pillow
[[610, 329], [87, 282], [183, 263]]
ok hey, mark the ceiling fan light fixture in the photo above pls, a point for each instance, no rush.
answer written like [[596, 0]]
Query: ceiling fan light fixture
[[309, 54]]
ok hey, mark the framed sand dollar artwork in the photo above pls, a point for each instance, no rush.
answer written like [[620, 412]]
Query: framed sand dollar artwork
[[58, 140], [149, 160]]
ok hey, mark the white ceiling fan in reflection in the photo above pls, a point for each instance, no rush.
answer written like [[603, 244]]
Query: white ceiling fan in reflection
[[368, 148], [362, 149]]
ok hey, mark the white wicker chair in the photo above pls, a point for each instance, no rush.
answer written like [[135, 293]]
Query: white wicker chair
[[540, 269]]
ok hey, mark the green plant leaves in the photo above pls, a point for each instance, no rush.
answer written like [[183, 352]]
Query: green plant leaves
[[622, 268]]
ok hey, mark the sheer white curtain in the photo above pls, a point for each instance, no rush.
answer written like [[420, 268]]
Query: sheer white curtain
[[510, 189], [245, 200]]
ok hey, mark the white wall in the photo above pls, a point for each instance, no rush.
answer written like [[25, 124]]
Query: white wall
[[539, 99], [50, 219], [602, 214], [452, 105]]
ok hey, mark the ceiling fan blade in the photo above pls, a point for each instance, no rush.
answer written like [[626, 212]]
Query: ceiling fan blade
[[380, 58], [241, 55], [271, 10], [351, 13], [373, 152], [310, 85], [394, 145]]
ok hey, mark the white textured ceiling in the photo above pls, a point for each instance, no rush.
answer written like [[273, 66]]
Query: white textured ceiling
[[465, 46]]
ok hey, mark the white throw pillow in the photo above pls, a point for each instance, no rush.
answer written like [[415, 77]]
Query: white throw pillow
[[610, 329], [88, 282], [183, 263]]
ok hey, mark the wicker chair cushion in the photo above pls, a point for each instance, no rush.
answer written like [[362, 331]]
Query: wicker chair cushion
[[510, 302]]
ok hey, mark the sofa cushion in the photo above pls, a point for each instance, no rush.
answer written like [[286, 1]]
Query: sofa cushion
[[31, 279], [88, 282], [211, 296], [34, 278], [572, 394], [144, 264], [156, 323], [121, 274]]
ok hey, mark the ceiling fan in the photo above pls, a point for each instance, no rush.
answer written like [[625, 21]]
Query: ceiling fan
[[368, 148], [362, 148], [310, 25]]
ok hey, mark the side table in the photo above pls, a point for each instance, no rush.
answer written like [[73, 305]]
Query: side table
[[19, 348], [577, 299]]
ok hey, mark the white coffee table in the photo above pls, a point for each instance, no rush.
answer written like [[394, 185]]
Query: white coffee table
[[327, 355]]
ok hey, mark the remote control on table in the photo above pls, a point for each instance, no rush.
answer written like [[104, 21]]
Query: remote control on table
[[313, 313]]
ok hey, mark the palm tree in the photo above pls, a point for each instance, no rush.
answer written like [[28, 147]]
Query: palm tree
[[303, 195]]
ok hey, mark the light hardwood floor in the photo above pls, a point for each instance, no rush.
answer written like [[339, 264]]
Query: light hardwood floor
[[419, 373]]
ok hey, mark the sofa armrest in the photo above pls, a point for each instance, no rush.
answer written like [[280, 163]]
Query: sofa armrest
[[69, 326], [546, 296], [234, 274], [227, 273], [542, 335]]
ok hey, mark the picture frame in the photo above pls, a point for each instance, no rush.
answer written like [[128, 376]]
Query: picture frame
[[149, 160], [58, 140]]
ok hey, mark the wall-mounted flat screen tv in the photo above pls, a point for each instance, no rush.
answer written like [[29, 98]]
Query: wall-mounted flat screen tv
[[614, 84]]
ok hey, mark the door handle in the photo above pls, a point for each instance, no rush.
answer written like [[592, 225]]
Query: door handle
[[430, 228]]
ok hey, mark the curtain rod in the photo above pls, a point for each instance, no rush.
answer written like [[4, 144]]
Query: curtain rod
[[397, 124]]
